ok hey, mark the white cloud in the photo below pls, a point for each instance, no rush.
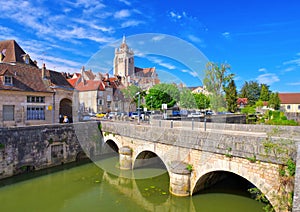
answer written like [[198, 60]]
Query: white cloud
[[226, 35], [262, 70], [125, 2], [293, 83], [194, 74], [195, 39], [130, 23], [293, 62], [122, 14], [289, 69], [268, 78], [162, 63], [175, 15], [158, 37]]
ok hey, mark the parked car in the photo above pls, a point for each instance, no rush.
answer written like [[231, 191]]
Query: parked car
[[196, 115], [85, 118], [100, 115], [92, 114], [135, 115], [112, 115]]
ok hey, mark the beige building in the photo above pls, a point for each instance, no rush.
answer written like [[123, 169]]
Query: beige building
[[290, 102], [98, 93], [29, 95], [199, 89]]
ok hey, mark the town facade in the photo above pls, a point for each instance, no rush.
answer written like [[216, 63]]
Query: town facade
[[30, 95], [101, 93]]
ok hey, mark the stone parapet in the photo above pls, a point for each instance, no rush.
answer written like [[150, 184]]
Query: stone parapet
[[245, 144]]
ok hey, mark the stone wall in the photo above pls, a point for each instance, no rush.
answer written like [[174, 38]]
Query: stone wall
[[296, 203], [36, 147]]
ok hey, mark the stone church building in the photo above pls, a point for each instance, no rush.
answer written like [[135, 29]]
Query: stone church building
[[124, 68]]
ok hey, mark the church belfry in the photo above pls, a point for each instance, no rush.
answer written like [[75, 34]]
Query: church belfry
[[124, 61]]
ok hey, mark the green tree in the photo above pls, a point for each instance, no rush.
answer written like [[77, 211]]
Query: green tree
[[216, 79], [162, 94], [274, 101], [202, 101], [131, 93], [251, 91], [187, 100], [264, 93], [231, 97]]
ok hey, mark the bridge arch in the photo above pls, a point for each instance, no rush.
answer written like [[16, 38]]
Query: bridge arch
[[148, 158], [110, 138], [141, 157], [254, 179]]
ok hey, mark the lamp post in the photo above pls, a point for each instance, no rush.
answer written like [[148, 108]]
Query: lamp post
[[151, 103], [204, 114], [139, 112]]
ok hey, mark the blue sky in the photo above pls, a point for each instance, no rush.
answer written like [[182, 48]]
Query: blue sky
[[259, 39]]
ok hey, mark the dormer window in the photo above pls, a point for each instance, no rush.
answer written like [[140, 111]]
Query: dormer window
[[8, 80], [26, 58]]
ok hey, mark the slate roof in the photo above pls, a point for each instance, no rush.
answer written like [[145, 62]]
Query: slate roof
[[58, 79], [289, 98], [12, 52]]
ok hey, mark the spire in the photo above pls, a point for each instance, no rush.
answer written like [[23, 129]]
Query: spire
[[124, 39]]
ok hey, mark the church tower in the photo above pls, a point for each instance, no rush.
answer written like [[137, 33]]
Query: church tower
[[124, 62]]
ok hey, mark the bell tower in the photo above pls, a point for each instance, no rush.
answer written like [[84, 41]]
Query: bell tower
[[124, 61]]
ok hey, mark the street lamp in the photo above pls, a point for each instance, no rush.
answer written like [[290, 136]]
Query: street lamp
[[139, 112], [151, 102]]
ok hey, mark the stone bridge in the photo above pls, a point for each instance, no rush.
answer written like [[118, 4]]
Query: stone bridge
[[194, 154]]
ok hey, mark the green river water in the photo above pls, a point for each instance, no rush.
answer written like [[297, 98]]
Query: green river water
[[88, 188]]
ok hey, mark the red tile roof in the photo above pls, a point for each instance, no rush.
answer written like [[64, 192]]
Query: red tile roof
[[289, 98], [90, 85], [12, 52], [73, 81], [25, 78], [243, 101]]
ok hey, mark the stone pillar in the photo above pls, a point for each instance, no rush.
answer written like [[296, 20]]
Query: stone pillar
[[296, 201], [179, 179], [125, 158]]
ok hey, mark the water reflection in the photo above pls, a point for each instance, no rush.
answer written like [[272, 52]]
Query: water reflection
[[88, 188]]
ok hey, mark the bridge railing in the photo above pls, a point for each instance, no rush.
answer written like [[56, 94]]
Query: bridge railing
[[246, 144]]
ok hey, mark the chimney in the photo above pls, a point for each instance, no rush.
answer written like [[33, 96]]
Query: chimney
[[44, 71], [82, 76], [106, 76]]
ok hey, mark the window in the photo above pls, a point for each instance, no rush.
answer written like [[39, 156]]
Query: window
[[100, 102], [35, 113], [108, 104], [298, 107], [288, 107], [35, 99], [8, 80], [116, 104], [8, 112]]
